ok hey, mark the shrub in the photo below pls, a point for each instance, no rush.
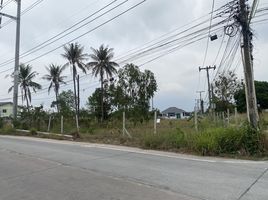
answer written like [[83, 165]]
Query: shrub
[[206, 142], [1, 123], [215, 141], [8, 129], [252, 140], [165, 141], [230, 140], [33, 132]]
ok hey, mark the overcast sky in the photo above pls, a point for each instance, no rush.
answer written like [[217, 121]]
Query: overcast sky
[[177, 73]]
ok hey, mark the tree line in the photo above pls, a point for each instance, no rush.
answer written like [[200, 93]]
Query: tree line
[[125, 88], [229, 92]]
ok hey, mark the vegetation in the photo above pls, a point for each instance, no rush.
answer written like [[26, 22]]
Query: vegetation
[[261, 94], [212, 139], [225, 87], [26, 83], [130, 93], [56, 79], [129, 90], [76, 57], [102, 65]]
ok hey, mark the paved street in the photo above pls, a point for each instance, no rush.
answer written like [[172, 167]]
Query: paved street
[[36, 169]]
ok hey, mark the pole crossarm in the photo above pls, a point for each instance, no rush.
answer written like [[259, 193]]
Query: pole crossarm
[[209, 88], [7, 15]]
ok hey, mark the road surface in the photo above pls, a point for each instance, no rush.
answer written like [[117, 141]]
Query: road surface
[[38, 169]]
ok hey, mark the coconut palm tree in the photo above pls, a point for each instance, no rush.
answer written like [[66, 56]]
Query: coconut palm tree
[[56, 79], [75, 55], [102, 65], [26, 83]]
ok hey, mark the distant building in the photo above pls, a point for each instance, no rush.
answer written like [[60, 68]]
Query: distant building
[[175, 113], [6, 109]]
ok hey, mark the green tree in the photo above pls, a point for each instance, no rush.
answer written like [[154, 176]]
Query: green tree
[[225, 87], [76, 57], [261, 93], [94, 103], [56, 79], [133, 91], [102, 66], [66, 103], [26, 83]]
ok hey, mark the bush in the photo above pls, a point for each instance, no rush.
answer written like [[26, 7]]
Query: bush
[[252, 140], [33, 132], [8, 129], [1, 123], [206, 142], [165, 141], [217, 141], [230, 140]]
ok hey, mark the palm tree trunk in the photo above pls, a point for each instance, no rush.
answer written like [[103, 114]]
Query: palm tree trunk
[[26, 97], [102, 110], [57, 99], [75, 101], [78, 96]]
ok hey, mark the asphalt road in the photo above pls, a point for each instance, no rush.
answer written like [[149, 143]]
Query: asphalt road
[[36, 169]]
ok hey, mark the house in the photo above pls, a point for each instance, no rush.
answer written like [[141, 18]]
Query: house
[[6, 109], [175, 113]]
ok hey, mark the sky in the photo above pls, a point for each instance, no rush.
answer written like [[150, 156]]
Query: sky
[[177, 73]]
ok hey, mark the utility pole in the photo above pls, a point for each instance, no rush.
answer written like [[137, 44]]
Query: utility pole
[[17, 62], [209, 90], [17, 56], [243, 19], [1, 6], [201, 101]]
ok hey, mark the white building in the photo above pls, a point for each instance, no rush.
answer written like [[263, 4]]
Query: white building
[[175, 113], [6, 109]]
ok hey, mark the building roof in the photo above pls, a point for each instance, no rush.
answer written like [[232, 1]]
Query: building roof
[[173, 110], [5, 103]]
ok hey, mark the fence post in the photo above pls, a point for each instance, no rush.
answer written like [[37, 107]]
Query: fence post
[[125, 132], [228, 117], [195, 119], [77, 123], [236, 117], [61, 125], [124, 121], [49, 122], [223, 118], [155, 118]]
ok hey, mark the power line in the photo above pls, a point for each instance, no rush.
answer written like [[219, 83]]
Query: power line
[[85, 33], [48, 42], [33, 5], [209, 31]]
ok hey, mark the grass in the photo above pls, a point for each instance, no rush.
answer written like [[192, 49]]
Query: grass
[[215, 137]]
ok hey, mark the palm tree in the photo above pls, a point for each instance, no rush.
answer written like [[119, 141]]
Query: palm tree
[[26, 83], [102, 65], [56, 79], [76, 57]]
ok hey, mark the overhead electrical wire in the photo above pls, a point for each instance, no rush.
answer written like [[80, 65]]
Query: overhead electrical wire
[[82, 35], [33, 5], [56, 37], [163, 52], [209, 32]]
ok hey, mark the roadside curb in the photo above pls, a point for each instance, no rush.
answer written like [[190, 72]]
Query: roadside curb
[[46, 133]]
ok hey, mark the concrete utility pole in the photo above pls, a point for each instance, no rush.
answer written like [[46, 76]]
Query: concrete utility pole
[[17, 62], [201, 101], [17, 56], [252, 110], [209, 90], [1, 6]]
